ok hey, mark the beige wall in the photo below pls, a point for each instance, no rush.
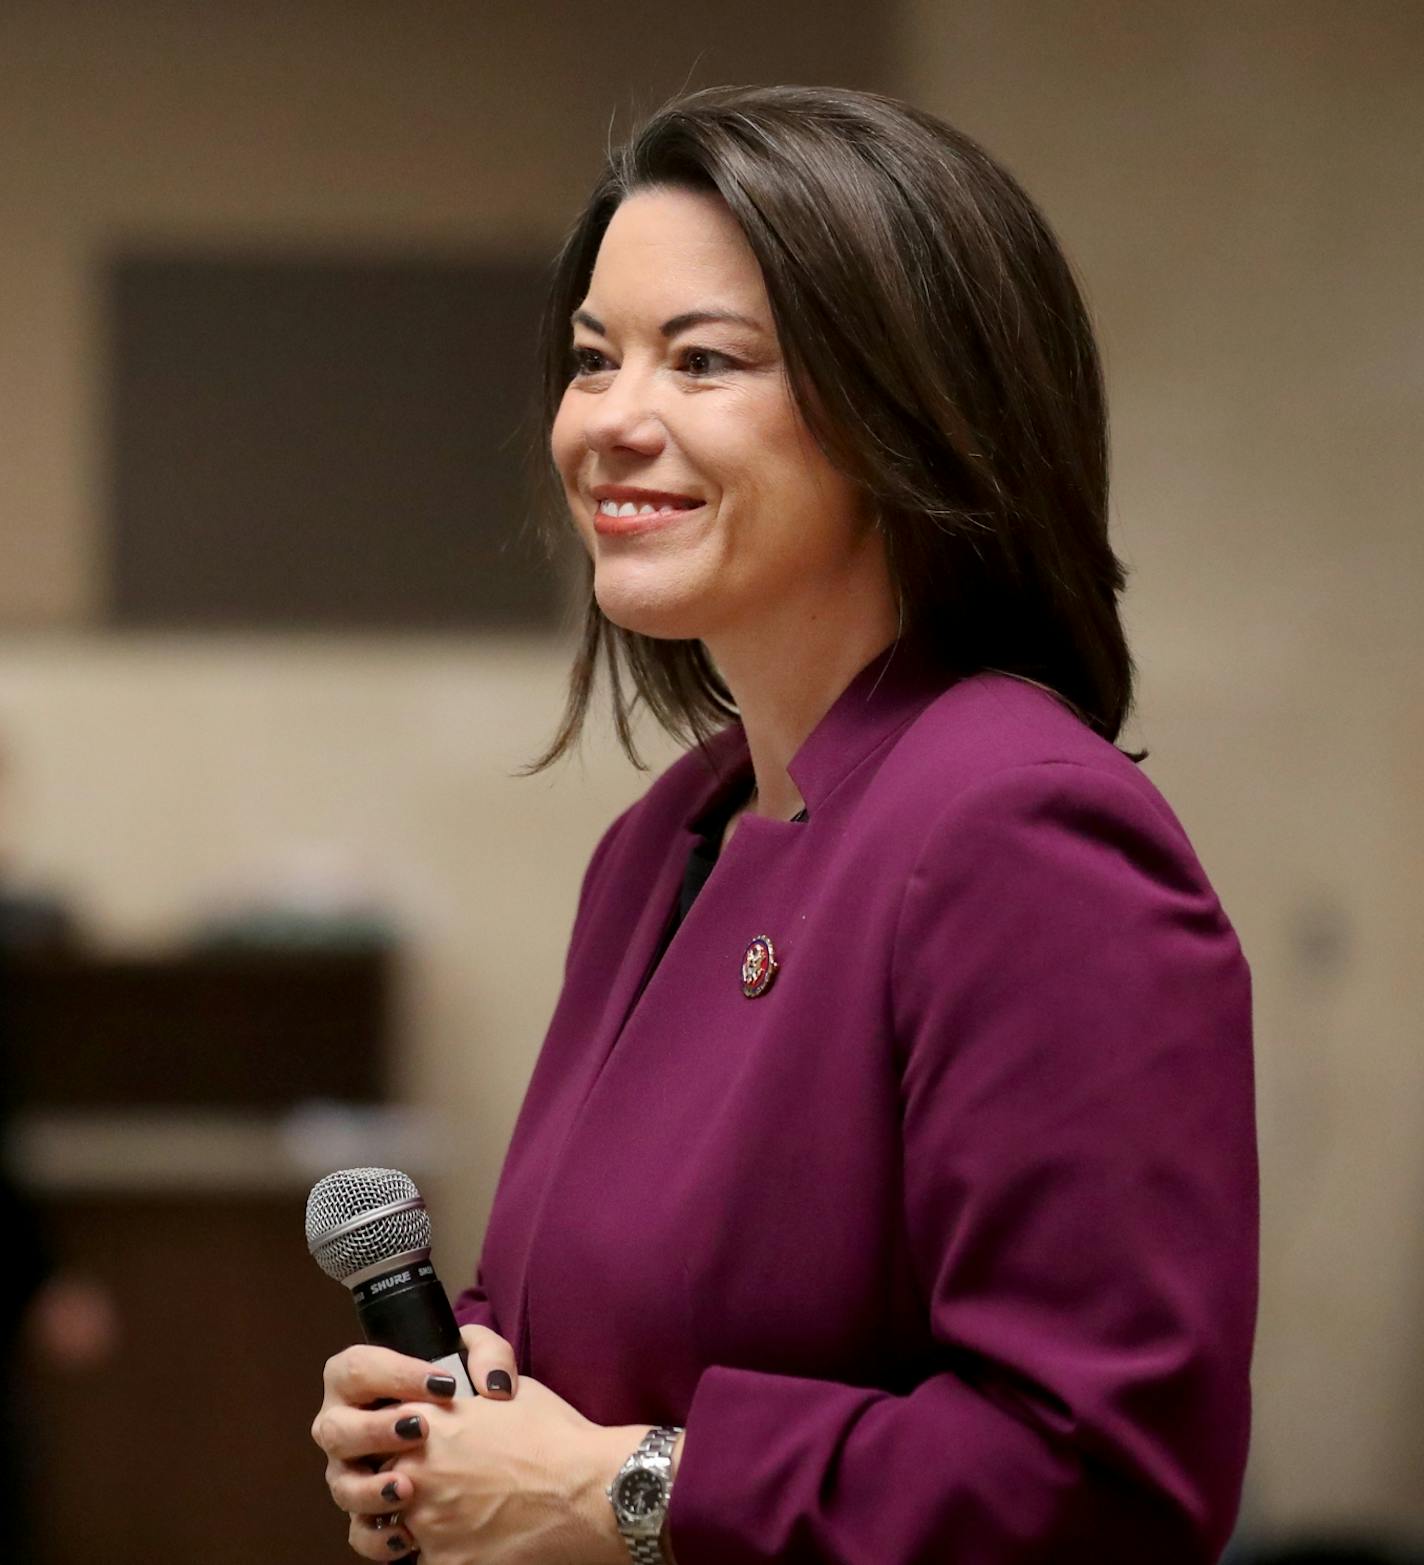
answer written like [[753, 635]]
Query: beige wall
[[1239, 186]]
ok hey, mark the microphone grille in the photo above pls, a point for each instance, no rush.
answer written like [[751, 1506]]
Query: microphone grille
[[341, 1243]]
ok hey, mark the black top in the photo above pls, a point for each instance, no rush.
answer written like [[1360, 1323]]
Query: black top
[[702, 859], [705, 850]]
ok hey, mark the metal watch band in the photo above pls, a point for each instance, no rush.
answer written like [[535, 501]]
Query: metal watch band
[[659, 1443]]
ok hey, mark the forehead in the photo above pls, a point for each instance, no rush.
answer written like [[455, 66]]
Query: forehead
[[670, 250]]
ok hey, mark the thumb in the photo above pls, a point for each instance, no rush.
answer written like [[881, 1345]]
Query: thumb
[[490, 1356]]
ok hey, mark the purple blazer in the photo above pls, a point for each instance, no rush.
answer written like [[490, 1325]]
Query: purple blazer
[[943, 1248]]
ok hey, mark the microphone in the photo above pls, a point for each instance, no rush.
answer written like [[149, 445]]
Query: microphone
[[368, 1228]]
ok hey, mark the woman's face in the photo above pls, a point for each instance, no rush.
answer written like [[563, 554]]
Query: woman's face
[[679, 408]]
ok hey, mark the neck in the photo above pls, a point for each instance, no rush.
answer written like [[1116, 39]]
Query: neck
[[784, 685]]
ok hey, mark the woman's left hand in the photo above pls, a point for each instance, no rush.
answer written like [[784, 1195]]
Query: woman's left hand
[[514, 1483]]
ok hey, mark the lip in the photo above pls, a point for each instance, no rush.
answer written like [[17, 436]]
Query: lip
[[628, 526], [622, 492]]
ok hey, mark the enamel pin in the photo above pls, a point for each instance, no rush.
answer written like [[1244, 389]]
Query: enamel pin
[[758, 967]]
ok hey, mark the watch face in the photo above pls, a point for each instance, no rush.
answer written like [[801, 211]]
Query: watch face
[[640, 1494]]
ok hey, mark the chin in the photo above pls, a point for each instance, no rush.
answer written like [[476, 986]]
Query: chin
[[658, 619]]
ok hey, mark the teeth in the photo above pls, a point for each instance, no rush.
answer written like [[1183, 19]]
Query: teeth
[[629, 508]]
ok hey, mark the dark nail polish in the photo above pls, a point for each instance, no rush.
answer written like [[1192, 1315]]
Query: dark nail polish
[[391, 1492], [397, 1545], [497, 1380], [440, 1385], [408, 1428]]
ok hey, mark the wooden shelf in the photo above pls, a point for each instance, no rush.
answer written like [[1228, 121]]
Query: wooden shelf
[[225, 1028]]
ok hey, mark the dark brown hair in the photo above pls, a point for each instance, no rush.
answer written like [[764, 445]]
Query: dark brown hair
[[939, 351]]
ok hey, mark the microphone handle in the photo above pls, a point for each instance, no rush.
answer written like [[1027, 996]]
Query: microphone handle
[[407, 1310]]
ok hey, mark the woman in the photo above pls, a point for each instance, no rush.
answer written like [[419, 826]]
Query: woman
[[892, 1193]]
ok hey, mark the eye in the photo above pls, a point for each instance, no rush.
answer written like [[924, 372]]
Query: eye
[[700, 363], [696, 363], [586, 361]]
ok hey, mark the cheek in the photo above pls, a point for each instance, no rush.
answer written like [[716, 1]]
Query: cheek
[[567, 443], [566, 440], [566, 450], [781, 450]]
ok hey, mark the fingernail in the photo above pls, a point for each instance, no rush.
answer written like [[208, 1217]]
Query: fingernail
[[497, 1380], [440, 1385], [397, 1545], [391, 1492], [409, 1427]]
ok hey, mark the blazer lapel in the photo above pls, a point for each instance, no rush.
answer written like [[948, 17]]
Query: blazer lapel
[[729, 763]]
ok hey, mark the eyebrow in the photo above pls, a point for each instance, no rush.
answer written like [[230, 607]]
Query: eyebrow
[[679, 323]]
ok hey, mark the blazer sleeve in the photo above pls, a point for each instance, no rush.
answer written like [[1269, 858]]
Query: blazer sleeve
[[1072, 1015]]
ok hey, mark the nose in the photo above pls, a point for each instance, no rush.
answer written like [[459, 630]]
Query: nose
[[624, 415]]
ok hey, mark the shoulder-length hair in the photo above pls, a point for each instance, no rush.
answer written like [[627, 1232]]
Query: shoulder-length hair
[[939, 351]]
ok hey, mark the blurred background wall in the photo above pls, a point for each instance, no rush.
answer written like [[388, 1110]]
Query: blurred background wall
[[1238, 186]]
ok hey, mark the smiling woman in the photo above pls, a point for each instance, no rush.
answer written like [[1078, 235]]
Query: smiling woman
[[885, 1189]]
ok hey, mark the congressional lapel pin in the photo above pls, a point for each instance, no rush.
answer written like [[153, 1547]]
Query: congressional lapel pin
[[758, 967]]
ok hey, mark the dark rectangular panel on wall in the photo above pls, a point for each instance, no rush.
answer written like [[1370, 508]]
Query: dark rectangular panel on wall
[[328, 443]]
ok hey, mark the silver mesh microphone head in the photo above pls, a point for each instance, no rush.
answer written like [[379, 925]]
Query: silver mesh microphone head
[[360, 1218]]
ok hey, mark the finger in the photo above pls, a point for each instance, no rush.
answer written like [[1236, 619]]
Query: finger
[[360, 1494], [490, 1355], [361, 1375], [380, 1538], [348, 1434]]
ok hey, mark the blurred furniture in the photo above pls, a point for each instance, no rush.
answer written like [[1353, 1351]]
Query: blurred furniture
[[229, 1028], [163, 1135]]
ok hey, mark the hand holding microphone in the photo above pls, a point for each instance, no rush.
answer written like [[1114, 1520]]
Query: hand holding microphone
[[368, 1229]]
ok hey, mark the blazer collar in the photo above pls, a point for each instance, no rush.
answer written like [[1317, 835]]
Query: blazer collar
[[895, 686]]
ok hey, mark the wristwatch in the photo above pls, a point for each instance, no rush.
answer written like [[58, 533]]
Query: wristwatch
[[640, 1492]]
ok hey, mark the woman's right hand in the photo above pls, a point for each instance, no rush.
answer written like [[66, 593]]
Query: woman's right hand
[[371, 1413]]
